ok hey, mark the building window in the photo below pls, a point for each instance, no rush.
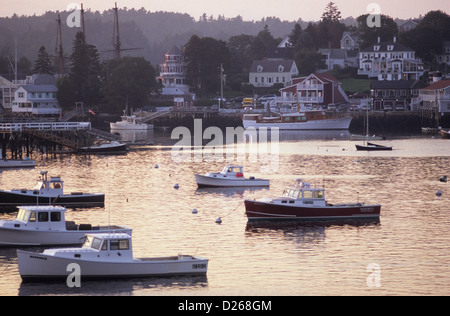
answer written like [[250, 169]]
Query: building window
[[20, 94], [260, 68]]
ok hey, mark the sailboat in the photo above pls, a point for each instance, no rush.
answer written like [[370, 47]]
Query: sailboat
[[367, 145]]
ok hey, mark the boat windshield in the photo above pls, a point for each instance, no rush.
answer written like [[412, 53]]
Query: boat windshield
[[23, 215], [93, 242]]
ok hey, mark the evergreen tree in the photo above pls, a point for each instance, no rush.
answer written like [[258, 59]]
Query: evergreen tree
[[331, 14], [43, 65]]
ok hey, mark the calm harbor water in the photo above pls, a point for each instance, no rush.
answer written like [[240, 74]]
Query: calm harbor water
[[409, 246]]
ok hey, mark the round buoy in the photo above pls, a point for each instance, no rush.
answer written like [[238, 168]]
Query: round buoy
[[218, 220], [438, 193], [194, 211], [443, 179], [176, 186], [156, 166], [358, 160]]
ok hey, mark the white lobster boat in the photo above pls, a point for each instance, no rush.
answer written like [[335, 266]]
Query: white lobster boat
[[46, 225], [230, 176], [104, 256]]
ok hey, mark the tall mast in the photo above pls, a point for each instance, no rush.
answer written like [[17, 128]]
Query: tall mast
[[60, 48], [116, 39]]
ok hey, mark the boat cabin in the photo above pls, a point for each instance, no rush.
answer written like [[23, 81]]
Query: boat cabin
[[53, 187], [101, 246], [235, 171], [303, 192], [41, 218]]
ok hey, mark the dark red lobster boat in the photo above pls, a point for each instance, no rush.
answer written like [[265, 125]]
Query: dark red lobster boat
[[303, 202]]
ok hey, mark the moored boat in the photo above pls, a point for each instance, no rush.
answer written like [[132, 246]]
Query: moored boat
[[445, 134], [307, 120], [230, 176], [106, 148], [46, 225], [130, 122], [105, 256], [16, 163], [373, 147], [48, 191], [303, 202]]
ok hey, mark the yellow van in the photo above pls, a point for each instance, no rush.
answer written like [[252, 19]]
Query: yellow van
[[248, 102]]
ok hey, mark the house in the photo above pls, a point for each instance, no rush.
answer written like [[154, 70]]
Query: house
[[389, 61], [7, 89], [336, 58], [266, 73], [349, 41], [444, 57], [394, 95], [36, 97], [408, 25], [173, 73], [436, 96], [315, 90]]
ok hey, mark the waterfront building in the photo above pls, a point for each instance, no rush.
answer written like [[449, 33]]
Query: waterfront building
[[436, 97], [394, 95], [390, 61], [314, 90], [173, 73], [266, 73]]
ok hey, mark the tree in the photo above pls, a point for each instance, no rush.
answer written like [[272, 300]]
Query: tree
[[204, 57], [131, 81], [308, 61], [85, 71], [331, 14], [43, 64], [369, 35]]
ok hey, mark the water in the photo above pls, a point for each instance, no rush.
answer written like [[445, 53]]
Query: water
[[409, 245]]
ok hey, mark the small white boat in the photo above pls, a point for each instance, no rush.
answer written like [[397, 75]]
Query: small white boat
[[46, 225], [106, 148], [16, 163], [230, 176], [105, 256], [130, 122]]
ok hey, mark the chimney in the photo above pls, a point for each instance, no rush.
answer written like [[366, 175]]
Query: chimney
[[379, 39], [395, 39]]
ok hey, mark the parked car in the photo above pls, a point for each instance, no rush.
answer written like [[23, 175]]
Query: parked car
[[387, 107], [237, 99], [399, 107], [268, 97]]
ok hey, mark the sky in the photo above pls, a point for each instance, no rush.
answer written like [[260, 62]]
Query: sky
[[290, 10]]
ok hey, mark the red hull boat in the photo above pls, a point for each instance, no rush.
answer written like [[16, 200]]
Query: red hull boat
[[304, 202]]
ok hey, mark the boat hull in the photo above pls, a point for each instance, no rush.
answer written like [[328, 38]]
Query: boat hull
[[373, 147], [445, 134], [207, 181], [35, 266], [17, 164], [105, 149], [13, 237], [133, 127], [258, 210], [327, 124], [10, 200]]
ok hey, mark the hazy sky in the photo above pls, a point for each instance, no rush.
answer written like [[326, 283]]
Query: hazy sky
[[249, 9]]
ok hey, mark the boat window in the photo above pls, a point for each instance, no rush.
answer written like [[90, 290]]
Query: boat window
[[33, 217], [296, 192], [105, 245], [286, 192], [56, 185], [23, 215], [307, 194], [96, 243], [43, 217], [55, 216], [318, 194], [122, 244]]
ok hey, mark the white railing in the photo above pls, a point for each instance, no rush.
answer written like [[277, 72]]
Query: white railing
[[45, 126]]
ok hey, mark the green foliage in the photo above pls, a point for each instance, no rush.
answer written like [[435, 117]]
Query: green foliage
[[43, 64], [369, 35]]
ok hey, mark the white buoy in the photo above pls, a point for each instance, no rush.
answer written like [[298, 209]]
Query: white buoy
[[438, 193], [176, 186], [219, 220], [194, 211]]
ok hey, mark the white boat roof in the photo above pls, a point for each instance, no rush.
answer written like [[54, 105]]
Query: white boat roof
[[110, 235], [37, 208]]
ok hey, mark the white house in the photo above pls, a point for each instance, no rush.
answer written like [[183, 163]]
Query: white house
[[436, 96], [390, 61], [7, 89], [349, 41], [36, 100], [266, 73], [173, 73], [444, 57]]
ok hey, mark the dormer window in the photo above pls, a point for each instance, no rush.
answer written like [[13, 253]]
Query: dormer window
[[390, 47], [260, 68], [280, 68], [376, 48]]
